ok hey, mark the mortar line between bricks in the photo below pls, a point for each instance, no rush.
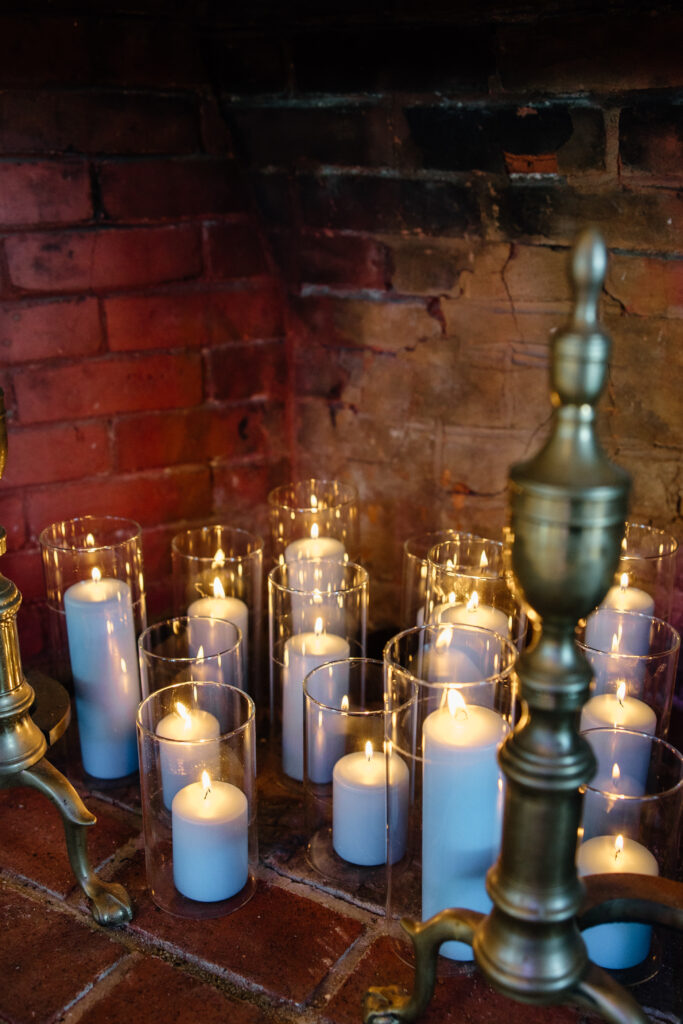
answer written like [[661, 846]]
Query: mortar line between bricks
[[344, 967], [93, 991]]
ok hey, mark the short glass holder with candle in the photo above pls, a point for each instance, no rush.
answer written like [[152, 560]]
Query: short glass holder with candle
[[467, 583], [631, 824], [414, 571], [96, 609], [633, 659], [355, 787], [317, 612], [187, 649], [197, 749], [314, 519], [450, 702], [218, 572]]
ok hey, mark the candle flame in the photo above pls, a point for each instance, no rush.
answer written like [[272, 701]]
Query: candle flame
[[90, 541], [318, 627], [456, 702], [623, 580], [206, 783], [616, 772], [96, 574], [315, 530], [218, 559], [473, 602], [483, 561], [345, 703], [618, 846], [218, 590], [621, 692], [368, 750], [182, 711]]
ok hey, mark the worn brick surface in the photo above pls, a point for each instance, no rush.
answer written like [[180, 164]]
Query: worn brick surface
[[150, 985], [89, 260], [108, 385], [65, 451], [651, 140], [239, 372], [12, 518], [357, 323], [646, 286], [152, 190], [46, 330], [33, 843], [35, 938], [25, 568], [43, 193], [236, 250], [279, 941]]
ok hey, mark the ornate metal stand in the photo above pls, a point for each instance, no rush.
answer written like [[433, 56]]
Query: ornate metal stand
[[568, 508], [23, 746]]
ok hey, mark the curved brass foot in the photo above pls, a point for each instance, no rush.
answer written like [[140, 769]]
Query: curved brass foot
[[111, 904], [602, 994], [388, 1005]]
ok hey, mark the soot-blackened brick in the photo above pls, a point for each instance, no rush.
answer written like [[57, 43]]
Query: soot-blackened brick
[[651, 138], [246, 64], [388, 204], [158, 189], [409, 57], [456, 140]]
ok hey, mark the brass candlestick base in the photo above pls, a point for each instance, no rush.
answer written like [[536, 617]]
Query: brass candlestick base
[[23, 746], [568, 511]]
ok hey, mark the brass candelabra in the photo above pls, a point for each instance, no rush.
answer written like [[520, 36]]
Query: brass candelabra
[[568, 506], [23, 746]]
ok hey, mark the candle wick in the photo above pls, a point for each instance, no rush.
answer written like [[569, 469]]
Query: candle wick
[[461, 713], [207, 791]]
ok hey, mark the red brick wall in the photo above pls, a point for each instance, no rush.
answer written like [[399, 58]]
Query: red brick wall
[[198, 208]]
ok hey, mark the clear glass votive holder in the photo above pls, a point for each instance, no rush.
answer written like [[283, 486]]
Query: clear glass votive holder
[[94, 584], [314, 519], [467, 584], [218, 572], [648, 566], [317, 612], [197, 749], [450, 702], [632, 815], [414, 572], [346, 767], [185, 649], [634, 659]]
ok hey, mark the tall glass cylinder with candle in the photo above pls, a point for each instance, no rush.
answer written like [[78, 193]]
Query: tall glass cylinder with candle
[[634, 659], [467, 584], [197, 750], [632, 817], [462, 684], [218, 573], [95, 590], [648, 560], [185, 649], [314, 519], [354, 784], [414, 571], [317, 612]]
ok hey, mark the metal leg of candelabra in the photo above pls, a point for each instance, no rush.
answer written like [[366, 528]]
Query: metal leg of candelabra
[[110, 902]]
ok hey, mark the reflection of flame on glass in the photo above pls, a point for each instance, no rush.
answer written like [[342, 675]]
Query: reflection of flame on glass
[[315, 530], [618, 846], [218, 559], [444, 637], [368, 750], [314, 501], [483, 561], [616, 772], [218, 590], [96, 575], [318, 627], [90, 541], [345, 703], [124, 667], [200, 652], [473, 602], [623, 580]]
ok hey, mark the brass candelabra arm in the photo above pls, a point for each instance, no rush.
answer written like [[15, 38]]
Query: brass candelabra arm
[[390, 1005], [602, 994], [629, 897], [111, 904]]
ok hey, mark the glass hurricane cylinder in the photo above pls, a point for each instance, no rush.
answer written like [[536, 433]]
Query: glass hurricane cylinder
[[467, 584], [187, 649], [648, 563], [632, 815], [197, 750], [450, 702], [94, 583], [218, 573], [634, 659], [317, 612], [414, 572], [314, 519], [349, 775]]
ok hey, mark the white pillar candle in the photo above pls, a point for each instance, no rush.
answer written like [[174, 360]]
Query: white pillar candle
[[605, 808], [461, 809], [617, 711], [633, 634], [192, 747], [618, 945], [303, 652], [210, 828], [473, 613], [315, 576], [101, 635], [219, 606], [359, 807]]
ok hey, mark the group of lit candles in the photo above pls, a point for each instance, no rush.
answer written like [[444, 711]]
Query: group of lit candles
[[461, 784]]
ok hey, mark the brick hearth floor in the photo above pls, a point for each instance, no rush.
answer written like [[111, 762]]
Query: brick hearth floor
[[295, 952]]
